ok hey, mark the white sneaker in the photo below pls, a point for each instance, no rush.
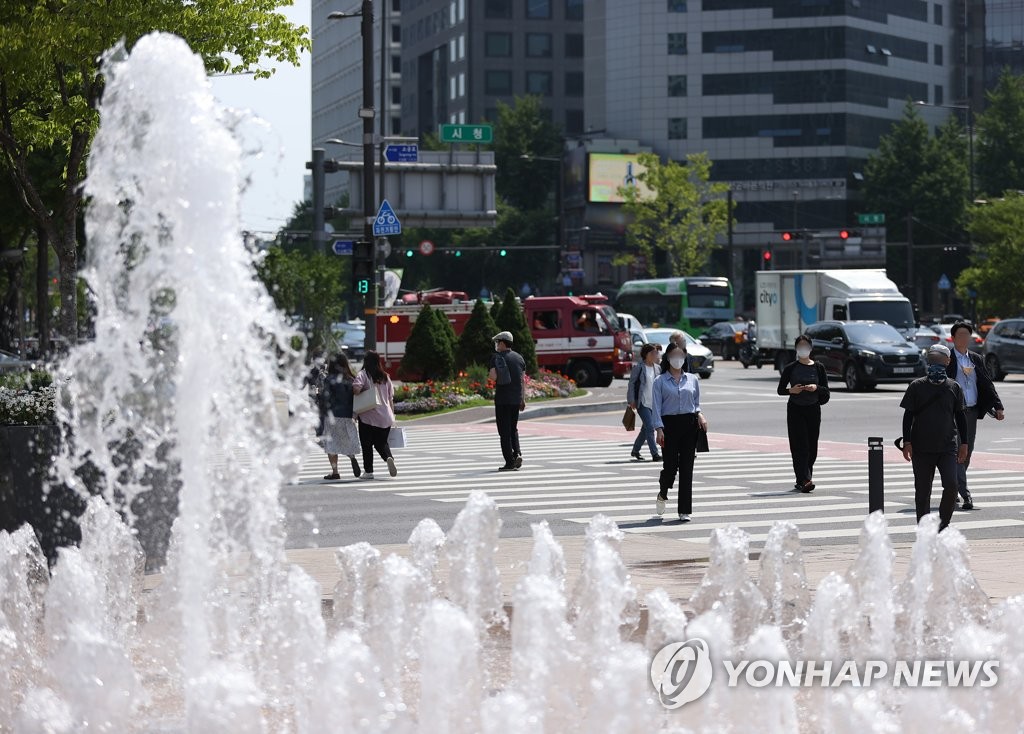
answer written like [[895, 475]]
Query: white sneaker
[[366, 476], [660, 504], [392, 469], [684, 518]]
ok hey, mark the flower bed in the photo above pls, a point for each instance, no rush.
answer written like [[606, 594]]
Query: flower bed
[[430, 396], [27, 399]]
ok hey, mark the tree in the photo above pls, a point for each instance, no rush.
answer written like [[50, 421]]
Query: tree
[[51, 83], [997, 261], [523, 139], [999, 162], [428, 352], [511, 318], [682, 215], [449, 332], [475, 345]]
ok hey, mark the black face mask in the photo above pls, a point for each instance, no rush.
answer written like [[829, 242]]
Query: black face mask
[[936, 373]]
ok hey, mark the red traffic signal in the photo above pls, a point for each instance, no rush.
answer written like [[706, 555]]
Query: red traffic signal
[[766, 255], [844, 234], [786, 237]]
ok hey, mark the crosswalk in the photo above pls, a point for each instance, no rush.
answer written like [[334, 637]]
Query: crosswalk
[[572, 479]]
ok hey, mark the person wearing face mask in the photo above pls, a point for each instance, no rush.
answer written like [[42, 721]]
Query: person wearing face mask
[[934, 434], [677, 418], [640, 392], [806, 384], [508, 370]]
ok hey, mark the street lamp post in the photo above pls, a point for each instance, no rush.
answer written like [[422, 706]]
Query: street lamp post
[[366, 113]]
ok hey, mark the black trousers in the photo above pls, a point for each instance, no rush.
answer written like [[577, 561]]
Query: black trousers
[[972, 433], [804, 425], [925, 463], [678, 454], [507, 418], [370, 438]]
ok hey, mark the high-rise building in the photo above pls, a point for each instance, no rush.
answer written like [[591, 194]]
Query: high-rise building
[[461, 57], [337, 78], [992, 33]]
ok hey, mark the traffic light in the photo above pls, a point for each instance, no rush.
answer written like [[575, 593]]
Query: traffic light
[[362, 267], [458, 253], [408, 253], [786, 237], [503, 252], [766, 260], [844, 234]]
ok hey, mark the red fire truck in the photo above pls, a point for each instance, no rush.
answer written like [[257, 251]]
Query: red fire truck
[[579, 336]]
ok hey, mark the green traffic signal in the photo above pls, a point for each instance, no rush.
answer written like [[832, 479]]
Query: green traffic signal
[[502, 252], [458, 253], [363, 286], [408, 253]]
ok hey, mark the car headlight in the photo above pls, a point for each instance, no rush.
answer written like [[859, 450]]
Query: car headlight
[[866, 353]]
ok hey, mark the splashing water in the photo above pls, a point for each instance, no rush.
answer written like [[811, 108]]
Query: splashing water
[[176, 413]]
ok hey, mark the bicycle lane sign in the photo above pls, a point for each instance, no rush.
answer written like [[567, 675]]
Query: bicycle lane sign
[[386, 222]]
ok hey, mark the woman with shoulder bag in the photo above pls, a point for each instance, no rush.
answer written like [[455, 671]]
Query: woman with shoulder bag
[[806, 383], [375, 424], [340, 434], [640, 396]]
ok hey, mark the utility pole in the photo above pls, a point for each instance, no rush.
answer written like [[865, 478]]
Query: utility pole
[[369, 196], [319, 181], [910, 257]]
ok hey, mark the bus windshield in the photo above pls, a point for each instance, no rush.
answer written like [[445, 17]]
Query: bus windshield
[[651, 308], [708, 296]]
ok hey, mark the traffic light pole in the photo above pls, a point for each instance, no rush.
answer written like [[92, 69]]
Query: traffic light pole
[[319, 182], [369, 196]]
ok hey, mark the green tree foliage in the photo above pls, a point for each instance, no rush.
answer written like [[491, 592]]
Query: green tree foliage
[[523, 139], [683, 217], [428, 351], [999, 159], [512, 319], [308, 287], [997, 261], [495, 308], [475, 345], [449, 333], [51, 82]]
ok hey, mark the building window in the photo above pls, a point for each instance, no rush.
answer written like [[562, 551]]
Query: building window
[[677, 128], [452, 89], [451, 51], [498, 81], [498, 9], [396, 33], [396, 64], [452, 16], [676, 44], [938, 94], [574, 84], [538, 82], [574, 45], [538, 9], [937, 54], [396, 6], [676, 85], [462, 84], [573, 122], [462, 10], [677, 6], [396, 95], [574, 9], [497, 44], [462, 46], [937, 13], [538, 45], [462, 117]]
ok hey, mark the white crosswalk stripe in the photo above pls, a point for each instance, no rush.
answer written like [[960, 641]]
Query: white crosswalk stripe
[[572, 479]]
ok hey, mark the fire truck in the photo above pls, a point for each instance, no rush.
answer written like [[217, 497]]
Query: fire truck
[[579, 336]]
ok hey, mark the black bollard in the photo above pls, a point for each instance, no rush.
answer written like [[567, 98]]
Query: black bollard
[[876, 475]]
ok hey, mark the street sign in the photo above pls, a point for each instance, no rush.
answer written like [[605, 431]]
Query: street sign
[[944, 283], [402, 153], [426, 247], [342, 247], [875, 218], [386, 222], [467, 134]]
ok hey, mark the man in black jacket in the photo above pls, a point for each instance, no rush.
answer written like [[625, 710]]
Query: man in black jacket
[[980, 396], [933, 429]]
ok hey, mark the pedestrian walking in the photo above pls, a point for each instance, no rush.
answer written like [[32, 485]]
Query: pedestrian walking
[[806, 383], [677, 419], [507, 369], [640, 396], [934, 434], [340, 436], [375, 424], [980, 397], [679, 339]]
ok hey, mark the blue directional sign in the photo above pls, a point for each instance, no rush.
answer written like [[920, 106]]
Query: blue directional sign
[[402, 153], [386, 222], [342, 247]]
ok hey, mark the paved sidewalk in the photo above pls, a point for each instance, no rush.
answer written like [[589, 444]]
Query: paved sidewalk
[[588, 403], [678, 566]]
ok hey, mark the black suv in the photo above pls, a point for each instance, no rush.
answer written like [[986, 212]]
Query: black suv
[[1004, 348], [865, 353]]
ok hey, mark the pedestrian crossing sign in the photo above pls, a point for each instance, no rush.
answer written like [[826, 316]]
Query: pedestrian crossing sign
[[386, 222]]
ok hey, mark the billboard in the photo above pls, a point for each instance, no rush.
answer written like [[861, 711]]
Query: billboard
[[609, 171]]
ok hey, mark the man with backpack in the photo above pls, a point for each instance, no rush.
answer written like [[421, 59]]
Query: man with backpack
[[934, 434], [508, 370]]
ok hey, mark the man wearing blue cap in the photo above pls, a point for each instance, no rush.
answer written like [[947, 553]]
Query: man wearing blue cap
[[934, 434]]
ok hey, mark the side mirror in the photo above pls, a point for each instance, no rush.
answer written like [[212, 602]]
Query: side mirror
[[838, 341]]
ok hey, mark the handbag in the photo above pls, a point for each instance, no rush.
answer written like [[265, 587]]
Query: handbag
[[702, 441], [629, 419], [366, 400], [397, 438]]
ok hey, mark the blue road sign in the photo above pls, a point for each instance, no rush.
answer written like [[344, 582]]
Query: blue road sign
[[386, 222], [342, 247], [944, 283], [402, 153]]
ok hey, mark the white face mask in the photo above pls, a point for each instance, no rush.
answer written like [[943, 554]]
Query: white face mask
[[803, 352], [677, 362]]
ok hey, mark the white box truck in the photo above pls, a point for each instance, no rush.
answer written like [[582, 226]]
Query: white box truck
[[790, 300]]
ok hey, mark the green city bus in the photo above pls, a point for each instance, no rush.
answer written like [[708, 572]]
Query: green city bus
[[691, 304]]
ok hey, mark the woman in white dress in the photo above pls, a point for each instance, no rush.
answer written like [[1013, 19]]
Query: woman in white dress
[[341, 436]]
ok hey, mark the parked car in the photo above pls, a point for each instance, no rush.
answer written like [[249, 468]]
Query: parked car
[[1004, 348], [725, 338], [865, 353], [351, 337], [946, 337], [629, 322], [702, 361]]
